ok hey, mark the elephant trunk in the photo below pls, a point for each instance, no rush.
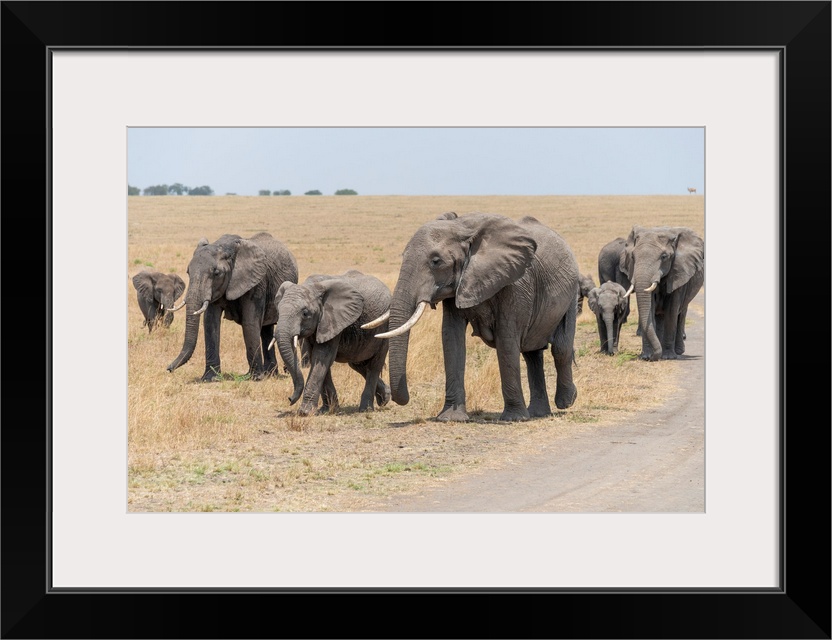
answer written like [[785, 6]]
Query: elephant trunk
[[644, 300], [610, 323], [285, 346], [400, 312], [191, 335]]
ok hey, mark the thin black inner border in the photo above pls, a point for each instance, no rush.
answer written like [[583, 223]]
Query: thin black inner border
[[780, 50]]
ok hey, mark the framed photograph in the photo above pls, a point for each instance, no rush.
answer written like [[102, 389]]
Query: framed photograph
[[752, 78]]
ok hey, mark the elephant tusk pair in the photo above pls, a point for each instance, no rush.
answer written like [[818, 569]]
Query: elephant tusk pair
[[294, 342], [407, 325], [201, 309], [378, 321], [651, 287]]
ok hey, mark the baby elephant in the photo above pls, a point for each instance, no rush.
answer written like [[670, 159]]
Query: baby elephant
[[156, 293], [609, 304], [325, 313]]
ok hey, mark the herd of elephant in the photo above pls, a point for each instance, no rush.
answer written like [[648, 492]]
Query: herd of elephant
[[515, 282]]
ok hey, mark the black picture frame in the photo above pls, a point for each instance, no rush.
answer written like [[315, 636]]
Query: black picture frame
[[799, 608]]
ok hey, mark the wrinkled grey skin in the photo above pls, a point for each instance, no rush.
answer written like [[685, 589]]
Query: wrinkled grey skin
[[237, 277], [609, 270], [156, 293], [514, 282], [586, 284], [609, 304], [674, 259], [326, 313]]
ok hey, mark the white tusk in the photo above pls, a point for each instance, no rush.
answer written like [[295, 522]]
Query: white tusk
[[378, 321], [175, 308], [651, 287], [201, 309], [406, 326], [630, 290], [271, 344], [295, 342]]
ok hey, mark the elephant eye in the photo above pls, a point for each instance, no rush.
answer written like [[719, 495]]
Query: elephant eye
[[664, 256], [305, 313], [435, 261], [216, 272]]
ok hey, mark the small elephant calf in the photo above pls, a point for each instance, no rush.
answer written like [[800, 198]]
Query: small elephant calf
[[586, 285], [156, 293], [325, 314], [609, 303]]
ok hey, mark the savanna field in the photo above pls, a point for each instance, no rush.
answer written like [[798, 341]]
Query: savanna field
[[237, 445]]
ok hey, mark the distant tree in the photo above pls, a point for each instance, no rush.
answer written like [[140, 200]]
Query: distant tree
[[201, 191], [346, 192], [281, 192], [156, 190], [264, 192], [133, 191], [314, 192], [177, 189]]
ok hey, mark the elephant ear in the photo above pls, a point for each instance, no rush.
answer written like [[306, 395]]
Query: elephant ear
[[341, 305], [249, 269], [178, 285], [144, 283], [499, 252], [592, 299], [448, 215], [626, 259], [688, 259]]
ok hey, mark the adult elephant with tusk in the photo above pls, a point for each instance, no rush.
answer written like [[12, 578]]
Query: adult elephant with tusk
[[666, 266], [325, 314], [514, 282], [237, 277]]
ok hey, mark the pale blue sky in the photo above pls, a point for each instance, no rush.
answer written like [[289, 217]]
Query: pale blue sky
[[422, 161]]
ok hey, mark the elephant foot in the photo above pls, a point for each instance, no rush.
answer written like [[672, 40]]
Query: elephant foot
[[514, 414], [212, 374], [650, 357], [309, 410], [453, 413], [565, 395], [669, 354], [539, 408], [383, 398]]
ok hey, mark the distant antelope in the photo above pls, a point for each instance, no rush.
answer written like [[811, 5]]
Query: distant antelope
[[691, 190]]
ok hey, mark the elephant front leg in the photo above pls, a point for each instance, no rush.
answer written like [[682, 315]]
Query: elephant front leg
[[269, 360], [539, 400], [453, 352], [508, 359], [563, 352], [252, 325], [211, 324], [671, 331], [319, 382]]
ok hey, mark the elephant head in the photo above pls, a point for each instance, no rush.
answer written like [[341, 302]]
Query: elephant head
[[469, 259], [586, 284], [157, 292], [609, 304], [319, 309], [659, 261], [225, 269]]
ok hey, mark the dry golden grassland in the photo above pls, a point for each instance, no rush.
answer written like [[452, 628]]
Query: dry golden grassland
[[237, 445]]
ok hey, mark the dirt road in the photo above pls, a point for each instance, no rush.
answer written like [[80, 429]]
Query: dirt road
[[652, 463]]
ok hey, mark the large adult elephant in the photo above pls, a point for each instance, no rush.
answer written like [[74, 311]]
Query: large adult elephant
[[514, 282], [325, 315], [667, 268], [238, 277]]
